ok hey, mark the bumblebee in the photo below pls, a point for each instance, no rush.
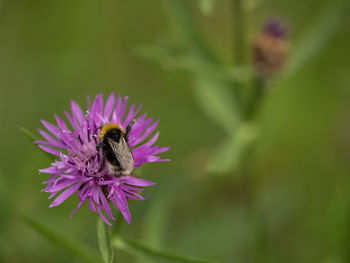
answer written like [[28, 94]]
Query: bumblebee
[[113, 141]]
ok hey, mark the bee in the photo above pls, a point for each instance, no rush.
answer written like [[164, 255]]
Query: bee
[[113, 141]]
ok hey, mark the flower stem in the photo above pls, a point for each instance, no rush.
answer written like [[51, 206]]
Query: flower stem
[[256, 97], [182, 20], [238, 32], [255, 209], [238, 46], [104, 241]]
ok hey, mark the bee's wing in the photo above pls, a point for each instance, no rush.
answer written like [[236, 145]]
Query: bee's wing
[[122, 153]]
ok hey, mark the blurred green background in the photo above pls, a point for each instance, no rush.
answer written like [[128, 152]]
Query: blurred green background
[[287, 200]]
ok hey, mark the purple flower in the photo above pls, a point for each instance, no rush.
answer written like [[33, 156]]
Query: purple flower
[[76, 168]]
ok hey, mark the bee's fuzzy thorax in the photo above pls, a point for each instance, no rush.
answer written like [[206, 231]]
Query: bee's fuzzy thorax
[[107, 128]]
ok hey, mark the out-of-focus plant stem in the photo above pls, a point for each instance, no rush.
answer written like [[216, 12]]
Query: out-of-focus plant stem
[[104, 241], [250, 106], [255, 211], [238, 32], [184, 24], [238, 44], [256, 97], [182, 19]]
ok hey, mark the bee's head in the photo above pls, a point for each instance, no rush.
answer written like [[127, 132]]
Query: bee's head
[[114, 134], [112, 131]]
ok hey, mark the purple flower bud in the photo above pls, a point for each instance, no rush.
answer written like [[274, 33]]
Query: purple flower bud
[[270, 49]]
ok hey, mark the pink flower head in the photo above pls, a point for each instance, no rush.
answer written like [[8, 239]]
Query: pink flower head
[[77, 164]]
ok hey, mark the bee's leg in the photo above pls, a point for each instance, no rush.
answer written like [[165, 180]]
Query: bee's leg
[[103, 163], [99, 146], [98, 128], [128, 129]]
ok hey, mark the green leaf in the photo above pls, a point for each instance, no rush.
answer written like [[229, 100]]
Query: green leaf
[[182, 20], [140, 250], [62, 241], [318, 34], [104, 241], [217, 102], [228, 156], [30, 136]]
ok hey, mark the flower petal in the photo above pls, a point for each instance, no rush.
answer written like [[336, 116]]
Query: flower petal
[[67, 193], [102, 216], [51, 128], [146, 133], [96, 109], [136, 181], [52, 141], [49, 150], [131, 115], [77, 112], [76, 209], [109, 107]]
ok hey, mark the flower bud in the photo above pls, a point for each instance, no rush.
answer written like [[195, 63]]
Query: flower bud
[[270, 49]]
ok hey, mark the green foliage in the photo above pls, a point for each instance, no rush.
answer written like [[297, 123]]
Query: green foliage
[[31, 137], [104, 241], [216, 101], [228, 156], [317, 34], [140, 250], [182, 21], [63, 241]]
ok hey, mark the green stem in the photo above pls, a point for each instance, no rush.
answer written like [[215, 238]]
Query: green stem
[[250, 107], [256, 97], [183, 22], [104, 241], [238, 32], [238, 46], [30, 136], [256, 213], [133, 248]]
